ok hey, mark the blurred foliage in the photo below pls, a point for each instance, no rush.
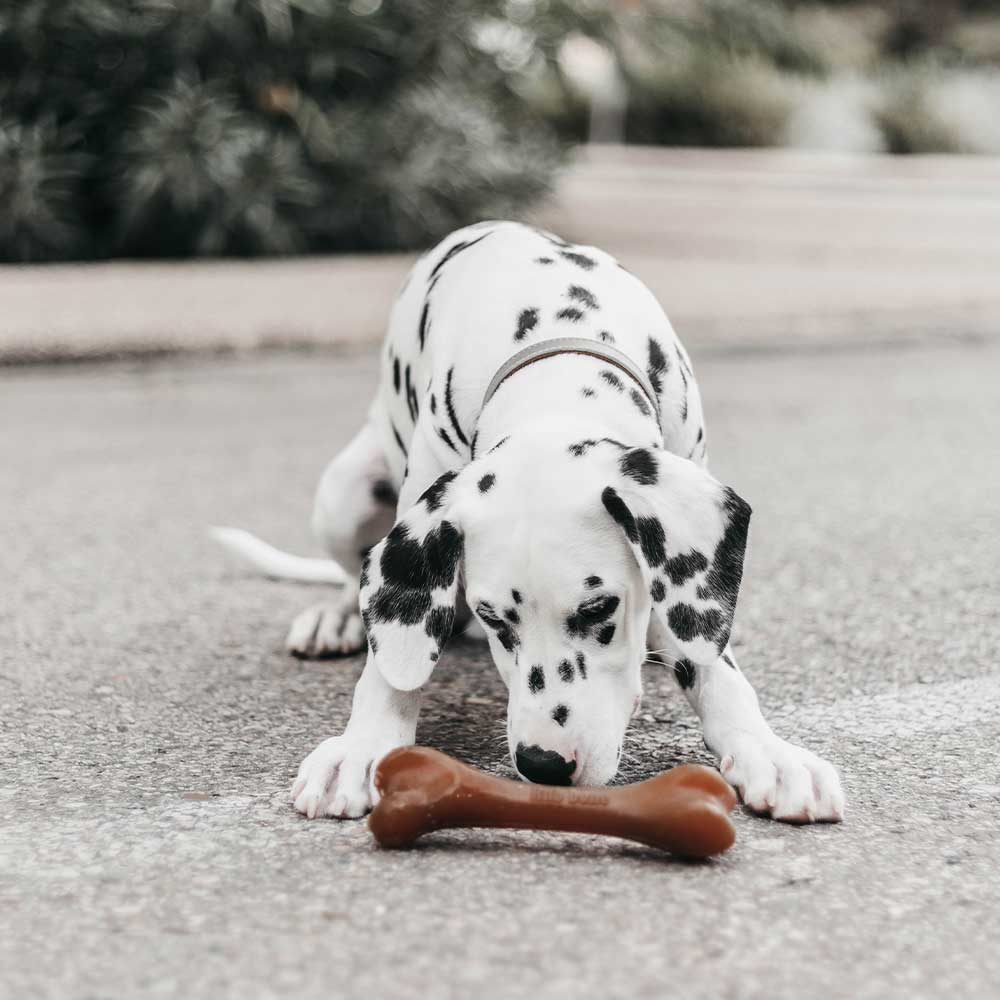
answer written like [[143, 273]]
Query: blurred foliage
[[178, 127], [187, 127], [898, 75]]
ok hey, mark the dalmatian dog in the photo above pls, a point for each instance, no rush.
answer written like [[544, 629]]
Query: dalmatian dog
[[535, 460]]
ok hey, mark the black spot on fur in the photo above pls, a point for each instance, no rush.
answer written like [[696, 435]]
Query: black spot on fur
[[652, 540], [658, 366], [640, 465], [582, 295], [685, 371], [617, 508], [443, 434], [682, 567], [687, 623], [566, 672], [395, 374], [612, 379], [427, 565], [527, 320], [453, 251], [658, 591], [544, 260], [684, 671], [605, 634], [439, 624], [703, 592], [592, 614], [434, 495], [588, 392], [512, 616], [581, 447], [425, 323], [384, 492], [701, 435], [472, 446], [505, 632], [606, 337], [570, 313], [411, 570], [364, 579], [399, 440], [560, 714], [581, 665], [516, 594], [581, 260], [726, 570], [411, 396], [434, 403], [536, 679], [727, 659], [593, 581], [450, 407], [639, 401], [486, 483]]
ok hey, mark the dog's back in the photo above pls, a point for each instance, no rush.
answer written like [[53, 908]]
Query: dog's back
[[491, 289]]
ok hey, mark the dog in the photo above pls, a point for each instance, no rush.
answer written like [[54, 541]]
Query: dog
[[535, 460]]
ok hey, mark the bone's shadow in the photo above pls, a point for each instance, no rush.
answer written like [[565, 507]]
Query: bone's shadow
[[488, 843]]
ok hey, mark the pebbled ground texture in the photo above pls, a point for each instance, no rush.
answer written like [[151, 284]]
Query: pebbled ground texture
[[151, 721]]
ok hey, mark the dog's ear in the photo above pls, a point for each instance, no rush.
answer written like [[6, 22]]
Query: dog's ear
[[409, 583], [689, 534]]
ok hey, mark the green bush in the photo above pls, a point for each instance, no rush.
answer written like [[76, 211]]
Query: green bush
[[179, 127], [714, 72]]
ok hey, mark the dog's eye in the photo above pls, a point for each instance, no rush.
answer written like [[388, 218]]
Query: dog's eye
[[599, 608]]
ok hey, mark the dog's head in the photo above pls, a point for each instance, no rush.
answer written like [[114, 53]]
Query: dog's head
[[566, 550]]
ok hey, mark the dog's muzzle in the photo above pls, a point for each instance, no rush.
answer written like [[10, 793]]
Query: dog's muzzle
[[543, 767]]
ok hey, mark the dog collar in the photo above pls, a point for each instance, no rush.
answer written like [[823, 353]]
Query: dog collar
[[572, 345]]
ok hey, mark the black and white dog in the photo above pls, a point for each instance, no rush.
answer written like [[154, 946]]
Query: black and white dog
[[535, 455]]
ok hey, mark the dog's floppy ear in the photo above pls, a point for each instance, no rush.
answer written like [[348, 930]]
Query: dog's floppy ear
[[408, 586], [689, 534]]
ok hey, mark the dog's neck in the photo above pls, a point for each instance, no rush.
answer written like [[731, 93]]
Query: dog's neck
[[575, 394]]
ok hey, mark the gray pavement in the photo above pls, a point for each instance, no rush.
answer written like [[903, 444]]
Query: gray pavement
[[150, 722]]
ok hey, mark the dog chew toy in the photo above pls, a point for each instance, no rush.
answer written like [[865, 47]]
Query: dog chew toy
[[684, 811]]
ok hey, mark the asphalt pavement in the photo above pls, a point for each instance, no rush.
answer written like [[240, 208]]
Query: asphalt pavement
[[150, 722]]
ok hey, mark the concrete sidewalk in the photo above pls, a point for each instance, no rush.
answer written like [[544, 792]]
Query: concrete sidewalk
[[150, 722], [745, 249]]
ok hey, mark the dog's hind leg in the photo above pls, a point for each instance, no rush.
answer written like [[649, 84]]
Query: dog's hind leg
[[355, 507]]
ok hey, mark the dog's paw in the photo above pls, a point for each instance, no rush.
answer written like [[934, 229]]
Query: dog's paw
[[337, 778], [333, 628], [785, 782]]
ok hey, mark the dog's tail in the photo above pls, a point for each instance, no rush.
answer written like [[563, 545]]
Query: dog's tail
[[273, 562]]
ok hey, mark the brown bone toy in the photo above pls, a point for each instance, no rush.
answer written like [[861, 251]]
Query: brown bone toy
[[684, 810]]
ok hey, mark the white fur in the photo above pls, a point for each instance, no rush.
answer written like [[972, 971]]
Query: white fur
[[541, 528]]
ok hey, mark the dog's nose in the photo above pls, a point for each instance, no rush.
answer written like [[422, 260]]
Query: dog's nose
[[543, 767]]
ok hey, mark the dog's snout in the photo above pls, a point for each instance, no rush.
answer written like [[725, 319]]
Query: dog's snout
[[543, 767]]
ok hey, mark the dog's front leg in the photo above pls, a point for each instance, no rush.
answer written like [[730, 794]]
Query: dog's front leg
[[772, 776], [337, 778]]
